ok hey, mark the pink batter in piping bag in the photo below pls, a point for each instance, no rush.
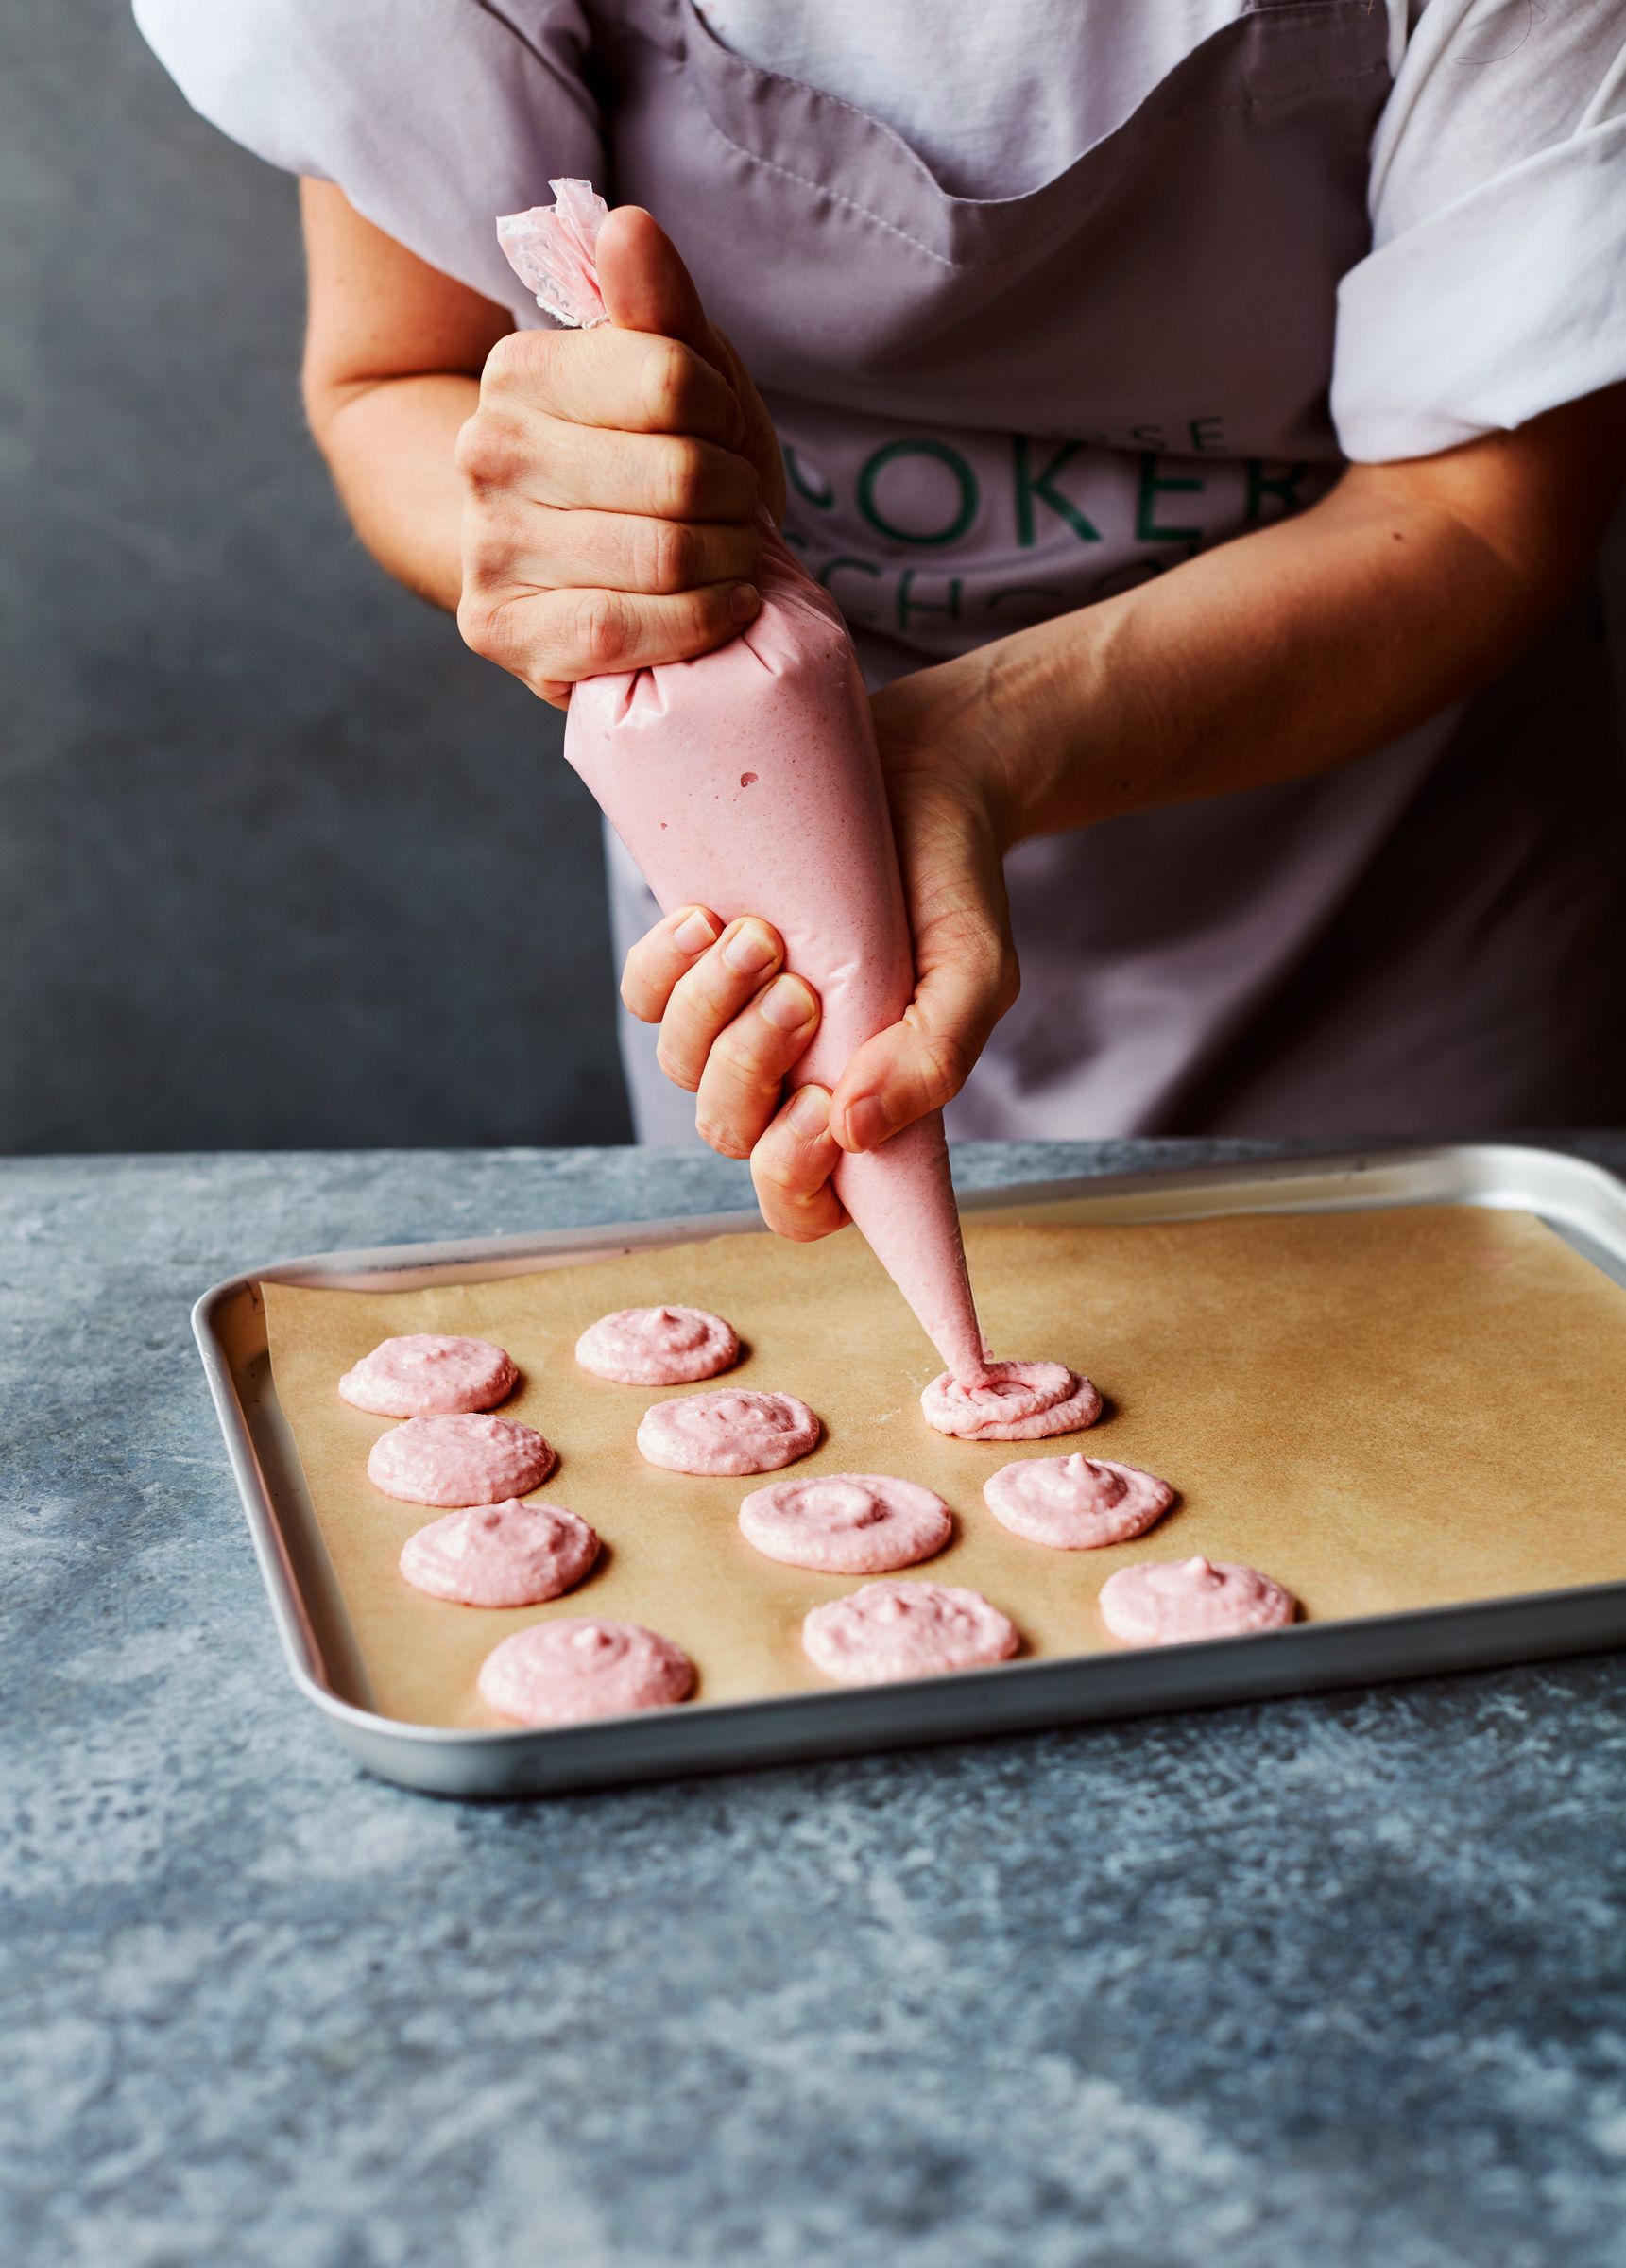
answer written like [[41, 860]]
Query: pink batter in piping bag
[[747, 781]]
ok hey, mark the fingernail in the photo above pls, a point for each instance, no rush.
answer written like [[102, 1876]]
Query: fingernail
[[808, 1113], [696, 934], [785, 1004], [750, 949], [868, 1122], [744, 602]]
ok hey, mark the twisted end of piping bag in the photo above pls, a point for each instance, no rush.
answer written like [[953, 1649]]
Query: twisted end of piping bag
[[554, 251]]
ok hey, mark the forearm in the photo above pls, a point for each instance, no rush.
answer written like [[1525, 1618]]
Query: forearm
[[390, 446], [1283, 654], [393, 355]]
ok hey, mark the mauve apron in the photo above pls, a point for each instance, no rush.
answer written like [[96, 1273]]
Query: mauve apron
[[998, 410]]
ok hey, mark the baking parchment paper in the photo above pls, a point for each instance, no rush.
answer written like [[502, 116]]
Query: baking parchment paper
[[1383, 1410]]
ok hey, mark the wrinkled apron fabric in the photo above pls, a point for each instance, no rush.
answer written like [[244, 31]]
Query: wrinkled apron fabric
[[997, 410]]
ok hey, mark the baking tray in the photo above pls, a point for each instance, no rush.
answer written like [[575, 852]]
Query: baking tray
[[1580, 1202]]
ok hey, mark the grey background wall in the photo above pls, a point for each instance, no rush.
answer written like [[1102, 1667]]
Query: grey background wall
[[279, 862]]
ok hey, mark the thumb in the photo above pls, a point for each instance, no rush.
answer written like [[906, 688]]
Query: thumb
[[922, 1061], [965, 963], [646, 286]]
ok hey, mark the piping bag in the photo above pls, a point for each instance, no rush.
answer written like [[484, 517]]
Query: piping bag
[[748, 780]]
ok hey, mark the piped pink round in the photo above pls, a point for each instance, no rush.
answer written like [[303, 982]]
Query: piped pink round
[[728, 1434], [1170, 1601], [1017, 1401], [459, 1460], [890, 1631], [425, 1374], [657, 1345], [846, 1523], [507, 1555], [1075, 1503], [565, 1672]]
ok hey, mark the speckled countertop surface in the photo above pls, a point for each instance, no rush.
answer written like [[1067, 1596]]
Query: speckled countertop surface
[[1310, 1984]]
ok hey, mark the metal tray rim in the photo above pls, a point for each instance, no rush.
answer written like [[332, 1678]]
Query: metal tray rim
[[1590, 1197], [1373, 1166]]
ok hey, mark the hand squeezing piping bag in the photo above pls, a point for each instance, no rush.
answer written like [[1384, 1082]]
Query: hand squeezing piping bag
[[748, 780]]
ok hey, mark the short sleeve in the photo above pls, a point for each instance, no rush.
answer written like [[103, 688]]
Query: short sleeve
[[433, 117], [1495, 288]]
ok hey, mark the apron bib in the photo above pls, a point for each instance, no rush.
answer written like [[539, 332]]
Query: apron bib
[[997, 410]]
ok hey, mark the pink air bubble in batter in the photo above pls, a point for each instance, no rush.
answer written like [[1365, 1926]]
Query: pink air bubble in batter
[[565, 1672], [890, 1631], [846, 1523], [657, 1345], [1170, 1602], [1075, 1503], [725, 1433], [459, 1460], [748, 780], [509, 1554], [426, 1375], [1018, 1401]]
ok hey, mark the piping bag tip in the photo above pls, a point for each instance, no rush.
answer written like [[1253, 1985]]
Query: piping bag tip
[[901, 1197]]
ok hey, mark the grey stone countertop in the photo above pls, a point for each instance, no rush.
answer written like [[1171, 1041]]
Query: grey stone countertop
[[1305, 1984]]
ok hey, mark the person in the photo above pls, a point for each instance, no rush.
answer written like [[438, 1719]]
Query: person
[[1207, 415]]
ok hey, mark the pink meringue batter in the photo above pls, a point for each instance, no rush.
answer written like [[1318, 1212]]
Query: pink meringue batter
[[1017, 1401], [657, 1345], [507, 1555], [733, 1433], [459, 1460], [1075, 1503], [425, 1374], [890, 1631], [846, 1523], [565, 1672], [1170, 1602]]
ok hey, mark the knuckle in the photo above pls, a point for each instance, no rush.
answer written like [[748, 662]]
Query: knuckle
[[487, 451], [983, 951], [680, 479], [491, 549], [664, 552], [968, 934], [790, 1211], [596, 630], [944, 1067], [800, 1227], [735, 1059], [502, 366], [674, 1068], [484, 627], [994, 963], [667, 384], [705, 621], [518, 357], [642, 978], [718, 1134], [773, 1169]]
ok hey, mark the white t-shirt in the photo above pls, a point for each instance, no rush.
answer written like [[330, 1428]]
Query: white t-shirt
[[1497, 191]]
